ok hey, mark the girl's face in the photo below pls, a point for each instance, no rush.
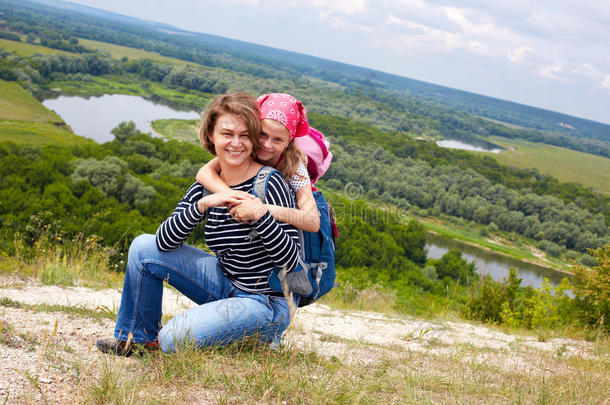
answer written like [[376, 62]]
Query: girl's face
[[231, 140], [273, 141]]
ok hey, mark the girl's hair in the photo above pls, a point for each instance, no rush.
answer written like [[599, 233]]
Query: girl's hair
[[242, 105], [289, 161]]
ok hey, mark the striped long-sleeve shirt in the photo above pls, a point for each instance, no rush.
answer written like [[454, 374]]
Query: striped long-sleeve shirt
[[246, 257]]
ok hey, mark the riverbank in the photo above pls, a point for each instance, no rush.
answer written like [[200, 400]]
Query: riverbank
[[521, 249]]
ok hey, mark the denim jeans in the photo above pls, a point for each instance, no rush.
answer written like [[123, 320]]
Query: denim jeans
[[224, 314]]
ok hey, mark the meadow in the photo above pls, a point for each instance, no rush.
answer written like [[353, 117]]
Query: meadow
[[565, 164], [119, 51], [23, 119], [25, 49]]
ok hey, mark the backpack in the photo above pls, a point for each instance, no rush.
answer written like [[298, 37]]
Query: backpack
[[314, 275], [316, 147]]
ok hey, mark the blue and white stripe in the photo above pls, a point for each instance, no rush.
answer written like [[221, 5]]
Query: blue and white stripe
[[245, 257]]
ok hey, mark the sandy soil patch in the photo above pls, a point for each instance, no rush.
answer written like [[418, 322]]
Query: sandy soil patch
[[38, 363]]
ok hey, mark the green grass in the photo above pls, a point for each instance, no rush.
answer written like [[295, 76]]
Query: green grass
[[181, 130], [119, 51], [23, 119], [25, 49], [18, 104], [564, 164], [80, 261], [253, 374], [36, 133], [81, 312]]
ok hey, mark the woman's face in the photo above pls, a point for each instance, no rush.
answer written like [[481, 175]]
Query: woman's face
[[273, 141], [231, 140]]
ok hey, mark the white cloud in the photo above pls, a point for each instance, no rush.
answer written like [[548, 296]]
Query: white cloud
[[339, 6], [519, 54], [476, 46], [420, 37], [606, 82], [551, 71], [247, 2]]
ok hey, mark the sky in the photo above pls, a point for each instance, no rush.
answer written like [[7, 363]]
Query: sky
[[553, 54]]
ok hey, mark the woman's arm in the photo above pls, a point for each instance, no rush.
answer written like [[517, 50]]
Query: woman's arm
[[190, 212], [280, 239], [305, 217], [209, 178]]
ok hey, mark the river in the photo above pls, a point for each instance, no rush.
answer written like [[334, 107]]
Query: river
[[494, 264]]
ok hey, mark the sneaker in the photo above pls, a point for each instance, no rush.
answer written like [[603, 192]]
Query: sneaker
[[122, 348]]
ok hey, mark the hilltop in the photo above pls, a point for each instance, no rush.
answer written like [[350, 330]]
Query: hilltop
[[47, 348]]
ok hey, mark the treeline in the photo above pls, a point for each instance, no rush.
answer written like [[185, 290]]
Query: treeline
[[39, 70], [113, 192], [122, 188], [431, 190], [345, 132]]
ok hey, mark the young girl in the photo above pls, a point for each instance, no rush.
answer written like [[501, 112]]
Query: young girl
[[284, 119]]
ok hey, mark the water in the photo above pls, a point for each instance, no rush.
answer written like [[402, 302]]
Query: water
[[496, 265], [95, 117], [451, 144]]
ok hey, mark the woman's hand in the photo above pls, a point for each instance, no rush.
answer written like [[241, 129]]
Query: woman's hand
[[227, 198], [248, 211]]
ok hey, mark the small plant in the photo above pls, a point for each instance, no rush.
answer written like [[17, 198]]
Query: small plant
[[561, 350], [57, 274]]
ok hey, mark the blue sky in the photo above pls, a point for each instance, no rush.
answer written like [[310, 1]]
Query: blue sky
[[549, 54]]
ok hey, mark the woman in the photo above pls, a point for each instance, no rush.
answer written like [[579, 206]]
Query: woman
[[231, 287], [284, 121]]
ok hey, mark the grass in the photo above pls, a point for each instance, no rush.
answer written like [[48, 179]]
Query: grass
[[119, 51], [23, 119], [181, 130], [25, 49], [80, 262], [306, 373], [565, 164], [111, 84], [17, 104], [82, 312]]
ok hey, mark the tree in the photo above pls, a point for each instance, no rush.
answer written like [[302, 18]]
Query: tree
[[124, 131], [592, 290]]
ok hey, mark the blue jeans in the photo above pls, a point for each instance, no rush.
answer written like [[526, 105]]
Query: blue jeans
[[224, 314]]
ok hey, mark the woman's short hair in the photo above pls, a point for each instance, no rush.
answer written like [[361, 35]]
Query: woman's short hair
[[240, 104]]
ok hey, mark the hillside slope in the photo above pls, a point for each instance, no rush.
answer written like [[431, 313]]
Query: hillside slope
[[47, 353]]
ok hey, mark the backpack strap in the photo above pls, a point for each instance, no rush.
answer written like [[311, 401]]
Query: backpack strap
[[259, 189]]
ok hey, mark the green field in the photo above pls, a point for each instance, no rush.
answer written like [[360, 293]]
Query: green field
[[23, 119], [118, 52], [180, 130], [18, 104], [564, 164], [25, 49]]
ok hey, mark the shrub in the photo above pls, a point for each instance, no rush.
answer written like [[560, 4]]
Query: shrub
[[592, 290]]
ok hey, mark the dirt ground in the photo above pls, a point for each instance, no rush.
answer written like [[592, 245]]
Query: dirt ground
[[30, 367]]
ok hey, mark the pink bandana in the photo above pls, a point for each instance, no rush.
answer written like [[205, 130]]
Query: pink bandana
[[285, 109]]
